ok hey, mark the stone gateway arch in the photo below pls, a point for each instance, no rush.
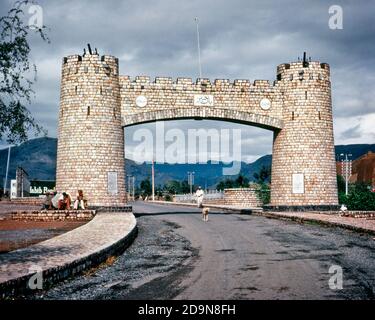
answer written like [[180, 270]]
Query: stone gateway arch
[[97, 103]]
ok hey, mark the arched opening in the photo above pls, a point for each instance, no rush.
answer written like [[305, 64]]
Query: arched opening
[[221, 154]]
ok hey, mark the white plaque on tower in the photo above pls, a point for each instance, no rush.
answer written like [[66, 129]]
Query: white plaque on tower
[[112, 183], [203, 100], [298, 181]]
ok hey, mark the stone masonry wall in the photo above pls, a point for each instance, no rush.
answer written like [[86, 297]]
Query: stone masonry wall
[[53, 215], [96, 102], [242, 197], [305, 145], [91, 139], [238, 101]]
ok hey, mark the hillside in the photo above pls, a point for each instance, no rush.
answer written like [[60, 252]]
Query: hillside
[[38, 158]]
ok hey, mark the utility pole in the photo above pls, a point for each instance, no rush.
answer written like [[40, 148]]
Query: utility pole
[[7, 169], [130, 188], [191, 181], [133, 182], [346, 170], [153, 179], [199, 49]]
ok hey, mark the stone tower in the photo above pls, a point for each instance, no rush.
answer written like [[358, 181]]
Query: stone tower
[[90, 153], [303, 164]]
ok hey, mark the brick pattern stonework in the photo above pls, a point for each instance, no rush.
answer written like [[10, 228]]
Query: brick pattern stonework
[[242, 197], [305, 144], [91, 138], [96, 103], [53, 215]]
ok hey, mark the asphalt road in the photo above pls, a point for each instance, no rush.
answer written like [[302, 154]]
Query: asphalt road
[[232, 256]]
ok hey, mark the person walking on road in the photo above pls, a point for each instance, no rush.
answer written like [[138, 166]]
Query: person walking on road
[[199, 195]]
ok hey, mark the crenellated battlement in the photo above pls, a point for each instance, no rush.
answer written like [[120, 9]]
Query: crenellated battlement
[[168, 83], [75, 58], [90, 64], [303, 70]]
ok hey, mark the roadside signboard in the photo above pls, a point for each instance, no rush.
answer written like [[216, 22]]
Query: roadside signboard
[[40, 187]]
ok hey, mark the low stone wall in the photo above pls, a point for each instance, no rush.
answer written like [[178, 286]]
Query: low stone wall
[[242, 197], [357, 214], [214, 201], [53, 215], [31, 201]]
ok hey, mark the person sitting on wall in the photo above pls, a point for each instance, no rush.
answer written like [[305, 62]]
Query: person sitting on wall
[[80, 202], [55, 200], [47, 204], [64, 201]]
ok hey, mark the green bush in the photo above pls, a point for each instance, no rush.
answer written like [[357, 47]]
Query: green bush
[[264, 193], [168, 197], [359, 198]]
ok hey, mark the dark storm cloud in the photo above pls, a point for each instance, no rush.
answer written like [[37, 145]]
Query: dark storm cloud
[[351, 133], [239, 39]]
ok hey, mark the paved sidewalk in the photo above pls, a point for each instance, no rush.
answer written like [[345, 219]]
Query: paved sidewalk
[[69, 253], [357, 224]]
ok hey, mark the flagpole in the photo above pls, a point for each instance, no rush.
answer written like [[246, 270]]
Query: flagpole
[[199, 49]]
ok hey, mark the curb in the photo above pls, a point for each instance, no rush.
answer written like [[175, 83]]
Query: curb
[[193, 205], [279, 216], [312, 220], [57, 273]]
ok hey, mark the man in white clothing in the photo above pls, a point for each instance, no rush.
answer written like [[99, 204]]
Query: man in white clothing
[[199, 194]]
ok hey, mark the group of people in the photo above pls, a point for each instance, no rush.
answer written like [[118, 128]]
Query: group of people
[[63, 201]]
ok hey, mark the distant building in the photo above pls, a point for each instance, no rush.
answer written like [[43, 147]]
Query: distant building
[[363, 169]]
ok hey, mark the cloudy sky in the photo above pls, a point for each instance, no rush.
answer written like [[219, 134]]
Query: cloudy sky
[[240, 39]]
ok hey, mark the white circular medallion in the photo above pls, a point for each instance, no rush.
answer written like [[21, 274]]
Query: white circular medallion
[[265, 104], [141, 101]]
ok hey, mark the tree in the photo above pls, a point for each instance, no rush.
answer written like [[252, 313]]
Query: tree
[[241, 181], [146, 188], [264, 174], [360, 197], [15, 87], [340, 183], [185, 188]]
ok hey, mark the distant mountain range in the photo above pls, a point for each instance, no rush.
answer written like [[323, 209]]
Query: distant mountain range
[[38, 158]]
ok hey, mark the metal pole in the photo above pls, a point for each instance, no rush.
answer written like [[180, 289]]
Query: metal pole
[[199, 49], [153, 180], [346, 168], [7, 169], [133, 180], [191, 182], [128, 187], [346, 174]]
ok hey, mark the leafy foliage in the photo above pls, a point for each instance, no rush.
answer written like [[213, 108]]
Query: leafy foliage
[[240, 182], [264, 193], [146, 188], [15, 87], [264, 175], [177, 187], [360, 197], [340, 183]]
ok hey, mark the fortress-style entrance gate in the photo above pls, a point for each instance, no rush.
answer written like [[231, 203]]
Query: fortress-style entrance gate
[[97, 103]]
